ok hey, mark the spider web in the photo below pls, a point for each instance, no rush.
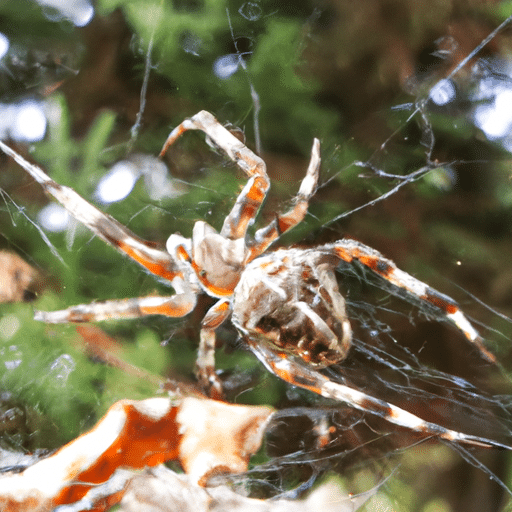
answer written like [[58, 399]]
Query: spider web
[[384, 363], [394, 338]]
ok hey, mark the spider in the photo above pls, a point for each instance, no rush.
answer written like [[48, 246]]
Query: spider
[[286, 304]]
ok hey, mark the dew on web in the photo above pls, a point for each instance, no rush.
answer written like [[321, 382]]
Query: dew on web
[[251, 11], [60, 369], [12, 357], [226, 65]]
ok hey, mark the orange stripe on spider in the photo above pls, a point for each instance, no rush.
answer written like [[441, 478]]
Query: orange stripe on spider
[[155, 268], [343, 254], [441, 301], [298, 381], [257, 191], [224, 306], [215, 290], [182, 253], [167, 310], [377, 265]]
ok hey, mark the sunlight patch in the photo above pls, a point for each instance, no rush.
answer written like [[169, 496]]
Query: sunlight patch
[[13, 356], [495, 119], [443, 92]]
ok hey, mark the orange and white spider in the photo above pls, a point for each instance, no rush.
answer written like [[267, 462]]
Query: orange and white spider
[[286, 303]]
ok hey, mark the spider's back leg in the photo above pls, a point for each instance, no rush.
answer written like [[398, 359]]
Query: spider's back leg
[[305, 377], [350, 250]]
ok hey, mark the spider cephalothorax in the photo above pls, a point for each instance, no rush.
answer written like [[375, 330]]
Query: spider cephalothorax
[[286, 304]]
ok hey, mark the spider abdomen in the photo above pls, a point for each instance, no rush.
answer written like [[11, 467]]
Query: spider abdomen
[[290, 299]]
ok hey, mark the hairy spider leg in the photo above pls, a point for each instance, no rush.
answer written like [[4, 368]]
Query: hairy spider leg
[[205, 362], [175, 306], [283, 222], [305, 377], [249, 201], [350, 250], [158, 261]]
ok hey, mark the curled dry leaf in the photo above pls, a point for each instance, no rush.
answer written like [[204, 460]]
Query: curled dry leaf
[[207, 437], [161, 490], [17, 278]]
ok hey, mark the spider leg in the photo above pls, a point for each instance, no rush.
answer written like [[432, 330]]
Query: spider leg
[[205, 363], [157, 261], [175, 306], [350, 250], [249, 201], [283, 222], [307, 378]]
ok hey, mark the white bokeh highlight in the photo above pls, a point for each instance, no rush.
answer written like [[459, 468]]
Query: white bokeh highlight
[[79, 12], [225, 66], [24, 121], [4, 45], [54, 218], [29, 122], [117, 183], [495, 118]]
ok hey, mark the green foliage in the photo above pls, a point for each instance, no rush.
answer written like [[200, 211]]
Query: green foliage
[[188, 38], [47, 373], [75, 163], [291, 115], [47, 367], [23, 21], [50, 372]]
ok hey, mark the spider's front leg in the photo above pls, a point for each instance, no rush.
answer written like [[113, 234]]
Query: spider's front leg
[[176, 306], [205, 363], [351, 250], [250, 199], [146, 254]]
